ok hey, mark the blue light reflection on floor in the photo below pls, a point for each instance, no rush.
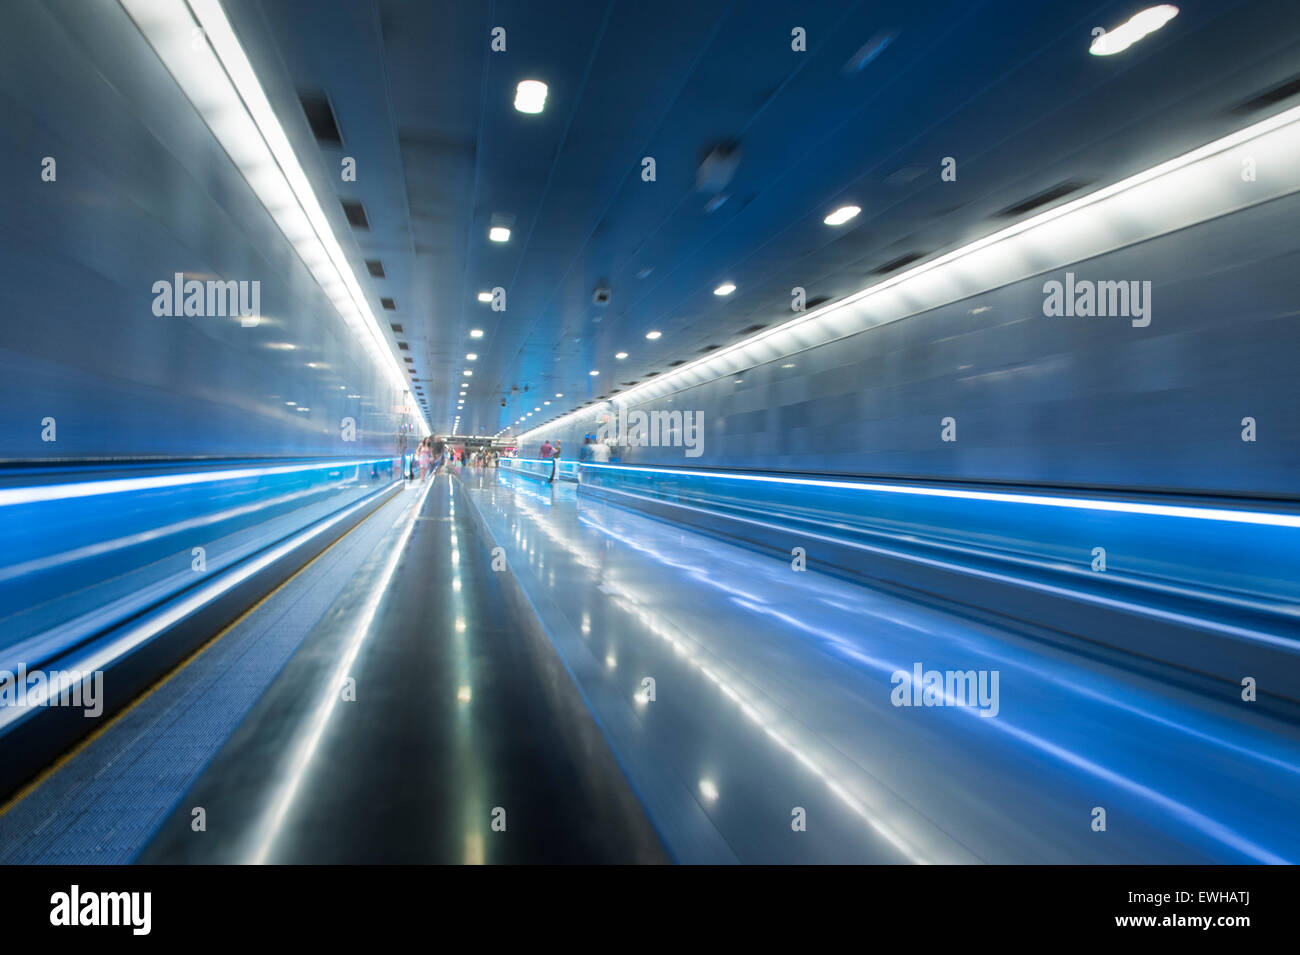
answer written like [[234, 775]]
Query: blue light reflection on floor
[[1182, 778]]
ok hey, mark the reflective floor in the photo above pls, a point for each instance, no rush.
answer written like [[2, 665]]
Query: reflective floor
[[510, 671], [773, 693], [425, 719]]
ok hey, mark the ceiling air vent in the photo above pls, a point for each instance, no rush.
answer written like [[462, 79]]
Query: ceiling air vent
[[1274, 94], [893, 265], [751, 329], [376, 268], [814, 302], [403, 346], [1043, 198], [904, 175], [389, 304], [674, 364], [356, 214], [409, 361], [708, 348], [320, 117], [396, 327]]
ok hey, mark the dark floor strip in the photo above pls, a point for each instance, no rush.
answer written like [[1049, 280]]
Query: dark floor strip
[[404, 741]]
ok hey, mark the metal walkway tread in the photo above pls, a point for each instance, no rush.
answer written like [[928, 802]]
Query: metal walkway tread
[[102, 804]]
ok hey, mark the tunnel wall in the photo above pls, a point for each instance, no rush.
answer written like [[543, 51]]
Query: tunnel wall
[[143, 191], [1037, 399]]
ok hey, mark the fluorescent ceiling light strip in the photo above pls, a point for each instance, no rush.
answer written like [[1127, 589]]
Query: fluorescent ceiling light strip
[[213, 20], [1271, 519], [1134, 193], [40, 493], [226, 93]]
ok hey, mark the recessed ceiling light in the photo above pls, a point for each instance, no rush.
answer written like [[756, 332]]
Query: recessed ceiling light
[[499, 233], [485, 296], [842, 215], [653, 335], [593, 373], [788, 364], [281, 346], [1139, 25], [621, 355], [472, 356], [530, 96], [559, 394], [537, 409], [467, 373], [726, 288], [476, 333], [291, 403]]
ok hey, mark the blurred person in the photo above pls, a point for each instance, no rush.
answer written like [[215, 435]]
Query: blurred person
[[424, 455], [439, 453]]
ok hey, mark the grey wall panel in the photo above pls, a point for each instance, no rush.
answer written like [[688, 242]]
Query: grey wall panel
[[1080, 401], [144, 191]]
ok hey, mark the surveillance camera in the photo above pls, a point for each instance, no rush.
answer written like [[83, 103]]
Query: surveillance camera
[[600, 295]]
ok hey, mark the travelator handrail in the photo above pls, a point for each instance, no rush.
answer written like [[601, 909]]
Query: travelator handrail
[[1210, 587]]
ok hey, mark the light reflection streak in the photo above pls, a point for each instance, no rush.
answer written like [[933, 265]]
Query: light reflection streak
[[643, 611], [304, 752], [1210, 827]]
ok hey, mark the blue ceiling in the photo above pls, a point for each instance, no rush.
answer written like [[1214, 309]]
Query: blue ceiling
[[1006, 87]]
